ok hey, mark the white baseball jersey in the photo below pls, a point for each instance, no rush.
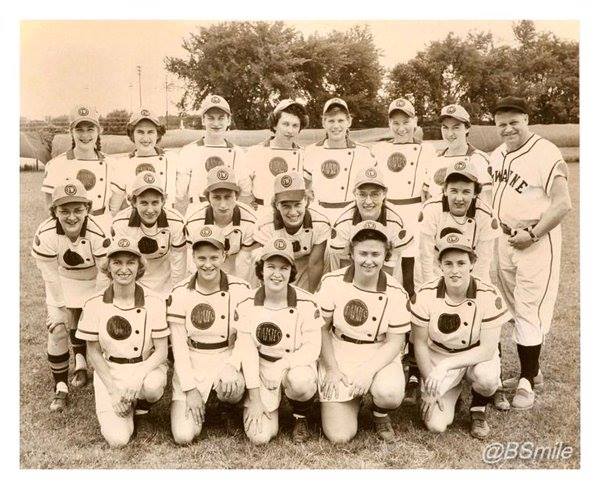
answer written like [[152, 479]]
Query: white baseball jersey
[[451, 327], [521, 180], [163, 245], [95, 175], [333, 171], [265, 162], [197, 159], [435, 180]]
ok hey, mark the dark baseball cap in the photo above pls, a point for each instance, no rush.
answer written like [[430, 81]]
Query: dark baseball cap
[[515, 104]]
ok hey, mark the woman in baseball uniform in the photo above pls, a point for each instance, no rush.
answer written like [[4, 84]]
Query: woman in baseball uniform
[[197, 158], [235, 219], [366, 320], [455, 124], [68, 249], [279, 153], [200, 316], [278, 345], [145, 131], [156, 230], [126, 334], [84, 162], [294, 219], [456, 325]]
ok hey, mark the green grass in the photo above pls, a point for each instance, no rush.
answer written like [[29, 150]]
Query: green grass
[[73, 439]]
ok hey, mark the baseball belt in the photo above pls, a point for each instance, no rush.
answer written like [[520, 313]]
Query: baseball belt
[[268, 358], [333, 205], [349, 339], [208, 346], [455, 350], [259, 201], [125, 360], [412, 200]]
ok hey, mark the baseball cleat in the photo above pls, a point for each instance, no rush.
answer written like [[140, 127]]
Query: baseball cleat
[[383, 428], [300, 432], [538, 382], [412, 391], [524, 397], [479, 426], [500, 401], [80, 378], [59, 403]]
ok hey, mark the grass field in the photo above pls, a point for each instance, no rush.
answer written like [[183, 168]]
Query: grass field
[[73, 440]]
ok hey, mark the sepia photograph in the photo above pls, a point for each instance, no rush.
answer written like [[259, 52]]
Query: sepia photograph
[[299, 244]]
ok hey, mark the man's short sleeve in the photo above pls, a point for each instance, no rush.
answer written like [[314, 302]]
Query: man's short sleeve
[[552, 166]]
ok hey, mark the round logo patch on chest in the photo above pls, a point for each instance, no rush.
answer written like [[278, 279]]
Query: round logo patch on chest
[[268, 334], [448, 323], [330, 169], [87, 178], [118, 328], [356, 312], [277, 165], [147, 245], [144, 167], [439, 176], [213, 161], [396, 162], [203, 316], [72, 258]]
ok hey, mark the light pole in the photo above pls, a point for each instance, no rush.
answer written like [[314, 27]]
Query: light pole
[[139, 72]]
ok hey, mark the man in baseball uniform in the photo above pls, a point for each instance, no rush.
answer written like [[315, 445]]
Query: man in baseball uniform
[[370, 194], [235, 219], [457, 322], [404, 164], [332, 164], [530, 197], [156, 230], [196, 159]]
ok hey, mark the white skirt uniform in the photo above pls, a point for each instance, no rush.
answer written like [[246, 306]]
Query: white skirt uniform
[[125, 336], [292, 332], [361, 320], [208, 320], [74, 263]]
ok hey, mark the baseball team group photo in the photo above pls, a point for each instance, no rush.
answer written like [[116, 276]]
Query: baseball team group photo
[[295, 244]]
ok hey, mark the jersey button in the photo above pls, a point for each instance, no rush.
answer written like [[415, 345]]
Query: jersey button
[[222, 336], [287, 335], [380, 297], [287, 351], [135, 348], [293, 152], [374, 318], [465, 323], [469, 220], [102, 179], [414, 148], [83, 241], [222, 316], [342, 188], [369, 335], [349, 153], [463, 342], [469, 303], [222, 294], [409, 182], [137, 331], [163, 247], [99, 196], [229, 151], [304, 248], [291, 311], [87, 259], [345, 169], [411, 163], [138, 311], [307, 230]]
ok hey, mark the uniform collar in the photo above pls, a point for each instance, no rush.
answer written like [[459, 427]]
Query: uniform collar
[[292, 297], [159, 152], [349, 143], [71, 155], [357, 218], [470, 211], [381, 280], [61, 232], [209, 216], [470, 150], [223, 282], [471, 290], [109, 295], [200, 142], [278, 220], [267, 143], [135, 221]]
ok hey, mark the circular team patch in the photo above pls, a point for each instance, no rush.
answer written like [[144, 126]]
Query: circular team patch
[[402, 234], [371, 172], [280, 244], [106, 242], [498, 303], [268, 334], [460, 165], [222, 174], [286, 181], [203, 316], [448, 323], [205, 232], [330, 168], [396, 162], [215, 100], [124, 243], [451, 109], [118, 328], [70, 189], [87, 178], [72, 259], [452, 239], [277, 165], [399, 103], [213, 161], [144, 167], [83, 111], [145, 112], [356, 312], [439, 176], [149, 178], [147, 245]]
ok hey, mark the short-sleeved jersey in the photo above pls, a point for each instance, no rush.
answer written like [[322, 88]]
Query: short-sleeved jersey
[[265, 163], [76, 260], [363, 314], [155, 243], [350, 216], [522, 179], [478, 224], [457, 327], [124, 333], [404, 168], [315, 230], [95, 175], [435, 182], [208, 318], [164, 164], [333, 171], [278, 333]]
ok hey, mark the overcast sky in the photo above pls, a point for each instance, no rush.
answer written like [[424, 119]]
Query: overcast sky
[[63, 63]]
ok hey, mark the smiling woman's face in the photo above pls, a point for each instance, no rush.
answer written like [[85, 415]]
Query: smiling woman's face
[[123, 267]]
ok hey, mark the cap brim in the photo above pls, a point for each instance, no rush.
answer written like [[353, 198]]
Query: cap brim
[[84, 119], [381, 233], [140, 190], [290, 195], [336, 104], [223, 185], [114, 251], [372, 182], [470, 176], [205, 110], [458, 247], [144, 118], [210, 240], [404, 111], [271, 254], [449, 116], [510, 107], [68, 199]]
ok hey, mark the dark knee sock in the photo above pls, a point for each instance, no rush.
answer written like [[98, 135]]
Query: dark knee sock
[[413, 369], [59, 365], [380, 410], [479, 400], [79, 346], [301, 408], [529, 356], [408, 275]]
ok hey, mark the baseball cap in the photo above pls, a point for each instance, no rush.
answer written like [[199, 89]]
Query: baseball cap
[[221, 177], [335, 101], [368, 225], [289, 186], [462, 167], [69, 191], [278, 247], [84, 113], [208, 234], [454, 241], [145, 180], [142, 114], [285, 103], [403, 105], [122, 243], [515, 104], [369, 175], [457, 112], [213, 101]]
